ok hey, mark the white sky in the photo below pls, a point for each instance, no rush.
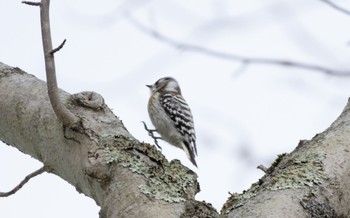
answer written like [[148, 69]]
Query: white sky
[[243, 116]]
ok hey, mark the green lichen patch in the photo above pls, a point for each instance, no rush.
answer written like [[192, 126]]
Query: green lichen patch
[[285, 173], [6, 70], [175, 184], [118, 141], [171, 182], [128, 144], [237, 200], [304, 170]]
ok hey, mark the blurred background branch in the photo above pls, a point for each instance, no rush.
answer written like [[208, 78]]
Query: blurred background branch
[[336, 7], [232, 57]]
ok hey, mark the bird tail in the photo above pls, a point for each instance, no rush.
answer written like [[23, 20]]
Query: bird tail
[[190, 152]]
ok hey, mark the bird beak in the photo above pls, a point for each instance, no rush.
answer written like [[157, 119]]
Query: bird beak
[[149, 86]]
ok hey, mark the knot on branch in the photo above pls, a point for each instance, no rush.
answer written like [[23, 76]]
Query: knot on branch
[[97, 167], [90, 100]]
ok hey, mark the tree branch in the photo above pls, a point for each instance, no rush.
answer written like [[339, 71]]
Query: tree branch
[[103, 161], [336, 7], [53, 51], [63, 114], [61, 111], [23, 182], [311, 181], [112, 167], [31, 3], [262, 168], [232, 57]]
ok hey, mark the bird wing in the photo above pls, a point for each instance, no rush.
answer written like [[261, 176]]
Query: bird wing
[[179, 112]]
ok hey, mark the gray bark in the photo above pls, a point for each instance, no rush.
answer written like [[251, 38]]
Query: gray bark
[[101, 158], [311, 181], [127, 178]]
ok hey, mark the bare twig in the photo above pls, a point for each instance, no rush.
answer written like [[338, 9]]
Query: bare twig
[[336, 7], [262, 167], [23, 182], [53, 51], [61, 111], [151, 133], [232, 57], [31, 3]]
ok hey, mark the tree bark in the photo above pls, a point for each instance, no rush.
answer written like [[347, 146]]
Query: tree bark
[[128, 178], [311, 181], [101, 159]]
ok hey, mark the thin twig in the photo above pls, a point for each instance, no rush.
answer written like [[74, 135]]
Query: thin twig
[[232, 57], [63, 114], [53, 51], [336, 7], [151, 133], [31, 3], [23, 182]]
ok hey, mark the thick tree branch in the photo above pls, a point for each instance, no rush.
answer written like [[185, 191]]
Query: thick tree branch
[[232, 57], [311, 181], [64, 115], [132, 179], [23, 182], [104, 161]]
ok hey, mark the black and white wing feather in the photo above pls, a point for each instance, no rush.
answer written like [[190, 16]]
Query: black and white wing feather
[[179, 112]]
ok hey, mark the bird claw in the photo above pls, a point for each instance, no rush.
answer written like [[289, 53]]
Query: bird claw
[[151, 133]]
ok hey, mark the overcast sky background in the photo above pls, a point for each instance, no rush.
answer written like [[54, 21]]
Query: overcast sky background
[[245, 115]]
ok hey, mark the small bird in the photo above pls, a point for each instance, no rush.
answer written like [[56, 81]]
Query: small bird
[[171, 116]]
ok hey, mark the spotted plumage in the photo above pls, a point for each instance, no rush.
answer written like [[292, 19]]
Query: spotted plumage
[[171, 116]]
